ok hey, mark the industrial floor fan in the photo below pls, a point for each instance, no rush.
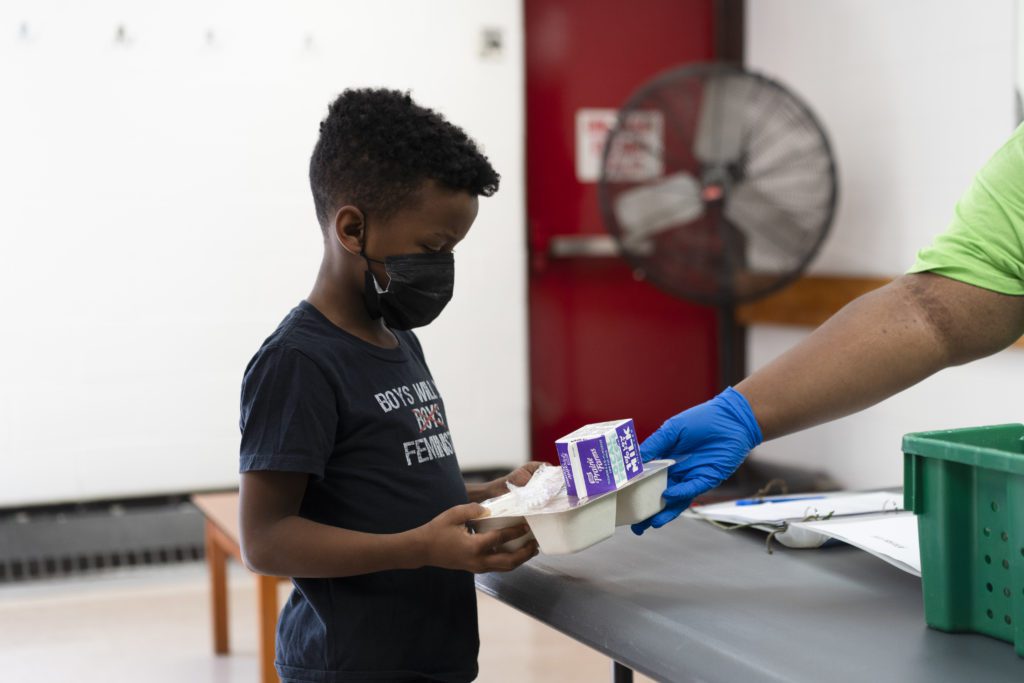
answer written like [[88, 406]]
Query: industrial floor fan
[[719, 186]]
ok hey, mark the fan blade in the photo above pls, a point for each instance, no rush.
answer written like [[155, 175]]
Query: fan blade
[[720, 125], [777, 238], [643, 212]]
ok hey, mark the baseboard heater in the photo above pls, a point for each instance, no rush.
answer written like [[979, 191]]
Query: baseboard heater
[[65, 540]]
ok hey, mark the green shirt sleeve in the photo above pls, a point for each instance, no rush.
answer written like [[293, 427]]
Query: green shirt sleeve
[[984, 243]]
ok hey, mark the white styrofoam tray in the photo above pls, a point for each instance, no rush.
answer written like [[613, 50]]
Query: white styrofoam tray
[[568, 524]]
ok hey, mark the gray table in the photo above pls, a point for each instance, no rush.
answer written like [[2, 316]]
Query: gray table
[[691, 602]]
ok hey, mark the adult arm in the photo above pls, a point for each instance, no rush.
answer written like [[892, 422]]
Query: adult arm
[[964, 299], [879, 345]]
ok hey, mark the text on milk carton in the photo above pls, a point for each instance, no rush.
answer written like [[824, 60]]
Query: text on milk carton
[[599, 457]]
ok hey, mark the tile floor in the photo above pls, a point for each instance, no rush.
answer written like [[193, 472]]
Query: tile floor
[[152, 625]]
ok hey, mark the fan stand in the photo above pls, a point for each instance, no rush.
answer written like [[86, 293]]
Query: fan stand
[[731, 337], [714, 160], [729, 334]]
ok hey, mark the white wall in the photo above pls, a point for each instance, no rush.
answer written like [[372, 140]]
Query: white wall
[[155, 224], [915, 96]]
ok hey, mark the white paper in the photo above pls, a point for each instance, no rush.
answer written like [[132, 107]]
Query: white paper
[[891, 537], [837, 504]]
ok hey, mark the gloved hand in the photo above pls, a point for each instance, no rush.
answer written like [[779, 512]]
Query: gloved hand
[[708, 442]]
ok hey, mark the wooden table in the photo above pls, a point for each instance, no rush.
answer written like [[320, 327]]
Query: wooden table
[[222, 541]]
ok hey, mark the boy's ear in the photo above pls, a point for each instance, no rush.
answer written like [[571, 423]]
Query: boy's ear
[[350, 229]]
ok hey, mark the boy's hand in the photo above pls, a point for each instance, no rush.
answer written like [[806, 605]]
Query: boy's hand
[[517, 477], [447, 543], [522, 475]]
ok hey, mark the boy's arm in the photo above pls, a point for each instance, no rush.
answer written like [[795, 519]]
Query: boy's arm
[[478, 493], [277, 541]]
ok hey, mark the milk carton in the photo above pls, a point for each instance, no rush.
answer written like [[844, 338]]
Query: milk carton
[[600, 457]]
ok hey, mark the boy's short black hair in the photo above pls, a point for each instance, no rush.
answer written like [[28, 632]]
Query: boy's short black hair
[[377, 146]]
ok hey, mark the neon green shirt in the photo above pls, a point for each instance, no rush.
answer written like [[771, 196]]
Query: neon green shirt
[[984, 244]]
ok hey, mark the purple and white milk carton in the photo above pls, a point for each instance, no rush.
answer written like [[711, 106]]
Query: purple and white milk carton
[[600, 457]]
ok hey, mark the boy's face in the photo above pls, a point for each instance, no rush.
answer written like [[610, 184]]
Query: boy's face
[[436, 222]]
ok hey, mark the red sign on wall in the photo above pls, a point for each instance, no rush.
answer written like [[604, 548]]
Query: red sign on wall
[[638, 152]]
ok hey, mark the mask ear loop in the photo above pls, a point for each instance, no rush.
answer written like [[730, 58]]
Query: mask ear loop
[[371, 290], [370, 277]]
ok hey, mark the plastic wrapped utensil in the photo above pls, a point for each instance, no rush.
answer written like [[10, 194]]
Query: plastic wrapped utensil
[[545, 485]]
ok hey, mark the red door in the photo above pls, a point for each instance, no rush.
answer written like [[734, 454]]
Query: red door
[[603, 345]]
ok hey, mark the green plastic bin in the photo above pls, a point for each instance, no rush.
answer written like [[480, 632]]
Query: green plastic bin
[[967, 488]]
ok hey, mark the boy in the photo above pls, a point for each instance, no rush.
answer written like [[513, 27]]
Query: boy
[[349, 477]]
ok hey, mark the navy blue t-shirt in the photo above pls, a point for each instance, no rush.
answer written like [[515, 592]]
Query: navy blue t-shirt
[[369, 426]]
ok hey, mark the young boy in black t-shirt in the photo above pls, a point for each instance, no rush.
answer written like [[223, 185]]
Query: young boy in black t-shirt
[[349, 477]]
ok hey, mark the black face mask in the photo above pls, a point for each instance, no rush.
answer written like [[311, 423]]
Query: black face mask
[[421, 286]]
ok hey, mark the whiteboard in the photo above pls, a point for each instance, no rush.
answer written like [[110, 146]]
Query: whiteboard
[[156, 224]]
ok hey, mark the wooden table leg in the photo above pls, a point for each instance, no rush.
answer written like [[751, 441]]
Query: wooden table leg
[[266, 589], [216, 560]]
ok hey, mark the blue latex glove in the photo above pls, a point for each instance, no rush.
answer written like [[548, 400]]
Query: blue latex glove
[[708, 442]]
